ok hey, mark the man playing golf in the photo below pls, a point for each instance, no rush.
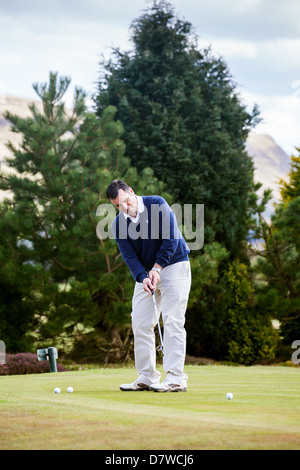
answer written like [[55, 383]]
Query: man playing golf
[[157, 255]]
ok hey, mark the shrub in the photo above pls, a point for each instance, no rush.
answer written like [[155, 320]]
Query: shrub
[[26, 363], [249, 334]]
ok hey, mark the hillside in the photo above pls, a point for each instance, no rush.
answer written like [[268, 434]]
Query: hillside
[[17, 106], [270, 161]]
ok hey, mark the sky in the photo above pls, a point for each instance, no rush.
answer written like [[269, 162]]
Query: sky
[[258, 39]]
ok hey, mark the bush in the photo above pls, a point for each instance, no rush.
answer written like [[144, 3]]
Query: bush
[[234, 328], [250, 334], [26, 363]]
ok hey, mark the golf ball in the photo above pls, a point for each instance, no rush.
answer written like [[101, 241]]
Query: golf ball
[[229, 396], [70, 389], [57, 390]]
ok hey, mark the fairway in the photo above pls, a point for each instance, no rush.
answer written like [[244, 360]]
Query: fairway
[[264, 412]]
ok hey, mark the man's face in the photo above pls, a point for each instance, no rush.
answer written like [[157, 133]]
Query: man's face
[[126, 202]]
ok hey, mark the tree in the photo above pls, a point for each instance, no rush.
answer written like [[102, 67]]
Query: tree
[[16, 319], [73, 281], [183, 118], [250, 335], [225, 321], [279, 259], [291, 189]]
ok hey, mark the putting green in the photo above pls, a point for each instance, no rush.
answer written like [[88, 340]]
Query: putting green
[[264, 412]]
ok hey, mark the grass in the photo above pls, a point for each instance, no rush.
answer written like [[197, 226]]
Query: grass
[[264, 412]]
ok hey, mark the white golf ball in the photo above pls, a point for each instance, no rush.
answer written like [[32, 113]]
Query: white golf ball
[[70, 389], [57, 390], [229, 396]]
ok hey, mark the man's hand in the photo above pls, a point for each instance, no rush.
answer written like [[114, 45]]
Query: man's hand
[[150, 282], [148, 286]]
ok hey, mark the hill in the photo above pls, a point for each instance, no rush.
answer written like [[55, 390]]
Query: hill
[[15, 105], [271, 164]]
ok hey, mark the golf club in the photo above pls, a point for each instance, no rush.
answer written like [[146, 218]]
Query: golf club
[[161, 347]]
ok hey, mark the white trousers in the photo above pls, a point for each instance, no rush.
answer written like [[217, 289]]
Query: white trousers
[[171, 297]]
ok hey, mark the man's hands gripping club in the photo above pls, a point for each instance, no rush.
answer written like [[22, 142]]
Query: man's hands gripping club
[[149, 283]]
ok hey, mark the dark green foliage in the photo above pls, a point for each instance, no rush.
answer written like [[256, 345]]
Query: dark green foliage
[[279, 260], [16, 319], [249, 334], [183, 118], [183, 128], [71, 281], [225, 323]]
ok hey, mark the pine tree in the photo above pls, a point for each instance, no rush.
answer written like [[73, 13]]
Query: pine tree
[[279, 259], [73, 281], [291, 189]]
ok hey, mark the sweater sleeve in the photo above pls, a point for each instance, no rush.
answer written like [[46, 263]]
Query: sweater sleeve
[[170, 234]]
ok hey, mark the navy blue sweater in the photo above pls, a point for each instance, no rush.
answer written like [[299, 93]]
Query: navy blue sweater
[[155, 238]]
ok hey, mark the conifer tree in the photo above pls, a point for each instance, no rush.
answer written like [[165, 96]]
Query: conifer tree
[[279, 259], [73, 280], [183, 118]]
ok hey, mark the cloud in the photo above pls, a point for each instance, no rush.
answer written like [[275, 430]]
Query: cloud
[[253, 20], [66, 11], [70, 45], [9, 59], [280, 117], [232, 49], [259, 40], [287, 51], [267, 67]]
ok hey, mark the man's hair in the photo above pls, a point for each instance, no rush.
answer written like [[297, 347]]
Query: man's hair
[[112, 189]]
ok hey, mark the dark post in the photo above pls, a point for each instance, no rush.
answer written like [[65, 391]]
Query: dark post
[[51, 355]]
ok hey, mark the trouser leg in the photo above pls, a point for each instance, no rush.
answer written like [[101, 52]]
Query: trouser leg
[[171, 296], [143, 323], [174, 288]]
